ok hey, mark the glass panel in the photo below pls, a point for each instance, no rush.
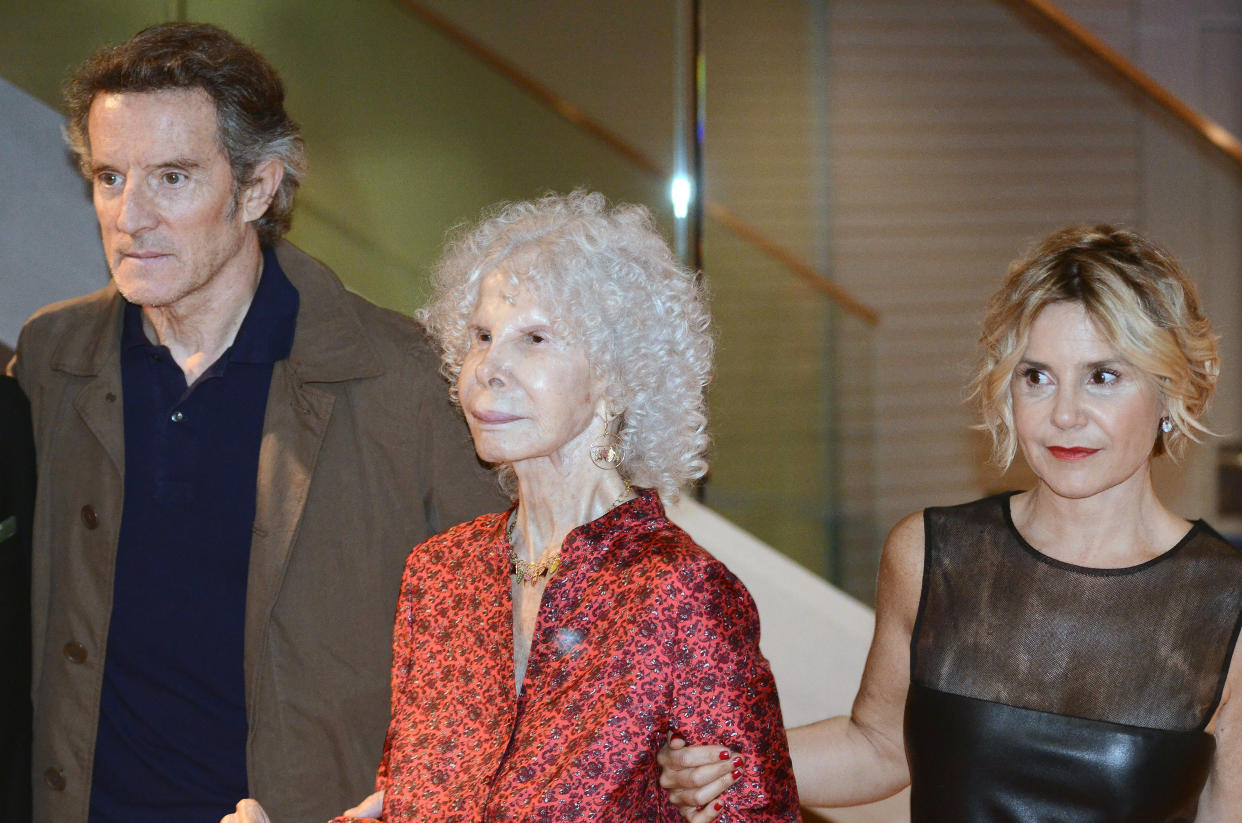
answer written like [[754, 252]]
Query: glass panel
[[791, 414], [793, 399]]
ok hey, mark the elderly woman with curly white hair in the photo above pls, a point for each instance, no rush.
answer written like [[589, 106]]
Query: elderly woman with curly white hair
[[543, 655]]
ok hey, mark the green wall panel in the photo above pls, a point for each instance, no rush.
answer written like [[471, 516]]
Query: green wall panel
[[408, 134]]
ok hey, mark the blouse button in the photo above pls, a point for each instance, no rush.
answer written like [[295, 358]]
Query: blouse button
[[89, 517]]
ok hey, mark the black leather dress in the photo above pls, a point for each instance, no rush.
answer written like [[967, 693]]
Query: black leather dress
[[1043, 691]]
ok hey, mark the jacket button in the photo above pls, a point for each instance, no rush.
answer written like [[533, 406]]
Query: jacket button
[[75, 652], [54, 778], [89, 517]]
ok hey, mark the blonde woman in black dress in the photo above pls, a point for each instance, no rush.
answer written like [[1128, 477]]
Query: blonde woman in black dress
[[1066, 653]]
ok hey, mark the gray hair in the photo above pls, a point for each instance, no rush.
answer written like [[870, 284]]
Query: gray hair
[[609, 279]]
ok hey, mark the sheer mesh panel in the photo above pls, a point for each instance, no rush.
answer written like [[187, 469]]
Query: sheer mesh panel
[[1146, 646]]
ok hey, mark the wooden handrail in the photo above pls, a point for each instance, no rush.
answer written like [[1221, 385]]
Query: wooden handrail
[[808, 275], [804, 271], [1119, 66]]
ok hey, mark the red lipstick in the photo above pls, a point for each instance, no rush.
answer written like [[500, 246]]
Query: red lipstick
[[1075, 453]]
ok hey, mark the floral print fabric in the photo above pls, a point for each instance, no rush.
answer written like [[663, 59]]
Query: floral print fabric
[[640, 633]]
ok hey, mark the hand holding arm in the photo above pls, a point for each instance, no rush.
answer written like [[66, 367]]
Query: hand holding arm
[[860, 757], [844, 760], [722, 689], [695, 776]]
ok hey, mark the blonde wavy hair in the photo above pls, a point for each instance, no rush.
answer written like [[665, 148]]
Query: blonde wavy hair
[[609, 279], [1139, 299]]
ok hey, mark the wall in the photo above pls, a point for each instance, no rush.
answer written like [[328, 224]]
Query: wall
[[408, 134], [49, 243], [910, 149], [1190, 198], [956, 134]]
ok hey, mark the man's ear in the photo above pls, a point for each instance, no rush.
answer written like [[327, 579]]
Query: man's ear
[[258, 195]]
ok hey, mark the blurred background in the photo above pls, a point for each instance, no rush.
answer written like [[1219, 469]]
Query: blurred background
[[860, 172], [870, 167]]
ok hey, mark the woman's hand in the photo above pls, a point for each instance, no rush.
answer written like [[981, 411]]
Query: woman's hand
[[695, 776], [248, 811], [370, 807]]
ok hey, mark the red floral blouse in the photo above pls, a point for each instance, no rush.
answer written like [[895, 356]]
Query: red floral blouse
[[640, 633]]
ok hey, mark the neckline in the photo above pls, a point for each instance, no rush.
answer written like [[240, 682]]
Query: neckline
[[644, 505], [1103, 571]]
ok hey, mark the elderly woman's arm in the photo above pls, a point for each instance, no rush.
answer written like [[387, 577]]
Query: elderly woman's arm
[[1221, 801], [843, 760], [723, 690]]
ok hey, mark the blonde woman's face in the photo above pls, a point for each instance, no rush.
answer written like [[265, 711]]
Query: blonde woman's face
[[526, 389], [1086, 419]]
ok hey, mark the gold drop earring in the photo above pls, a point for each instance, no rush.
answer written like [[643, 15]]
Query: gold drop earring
[[607, 452]]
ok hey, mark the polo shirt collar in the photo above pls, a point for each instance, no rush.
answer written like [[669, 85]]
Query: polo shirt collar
[[266, 332]]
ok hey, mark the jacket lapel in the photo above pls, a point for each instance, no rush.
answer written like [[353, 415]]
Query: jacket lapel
[[296, 422], [99, 405], [329, 346], [93, 350]]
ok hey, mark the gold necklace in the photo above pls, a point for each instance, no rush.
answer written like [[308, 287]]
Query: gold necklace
[[529, 571]]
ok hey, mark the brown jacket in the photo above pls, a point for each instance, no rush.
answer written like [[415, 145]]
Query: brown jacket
[[362, 457]]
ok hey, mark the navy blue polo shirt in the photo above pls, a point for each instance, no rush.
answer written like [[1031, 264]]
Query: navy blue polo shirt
[[172, 723]]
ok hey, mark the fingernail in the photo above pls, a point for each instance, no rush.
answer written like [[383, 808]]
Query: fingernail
[[725, 755], [698, 808], [739, 760], [717, 806], [736, 774]]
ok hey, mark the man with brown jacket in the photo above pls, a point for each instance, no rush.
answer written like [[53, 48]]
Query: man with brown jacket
[[235, 457]]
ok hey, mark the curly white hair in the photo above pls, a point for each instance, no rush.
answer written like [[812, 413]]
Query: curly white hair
[[607, 276]]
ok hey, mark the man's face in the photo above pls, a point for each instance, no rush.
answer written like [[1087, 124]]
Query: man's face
[[164, 195]]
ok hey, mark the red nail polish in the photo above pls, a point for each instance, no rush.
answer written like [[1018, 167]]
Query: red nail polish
[[717, 806], [736, 774], [739, 760], [725, 755]]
